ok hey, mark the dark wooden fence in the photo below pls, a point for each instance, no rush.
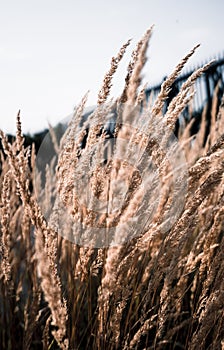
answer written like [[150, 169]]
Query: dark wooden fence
[[204, 85]]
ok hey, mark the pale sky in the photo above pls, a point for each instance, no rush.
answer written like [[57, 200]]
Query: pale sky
[[52, 52]]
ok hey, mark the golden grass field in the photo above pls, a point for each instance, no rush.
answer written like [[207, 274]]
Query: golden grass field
[[145, 270]]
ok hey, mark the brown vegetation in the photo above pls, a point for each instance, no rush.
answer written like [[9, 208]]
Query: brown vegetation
[[157, 286]]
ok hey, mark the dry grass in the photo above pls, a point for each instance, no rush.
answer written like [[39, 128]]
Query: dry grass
[[141, 271]]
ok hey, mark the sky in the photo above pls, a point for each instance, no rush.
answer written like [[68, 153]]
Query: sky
[[53, 52]]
